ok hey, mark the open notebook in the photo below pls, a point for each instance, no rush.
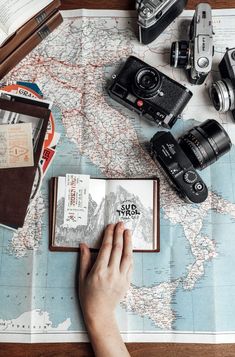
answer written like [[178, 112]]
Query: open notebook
[[133, 201]]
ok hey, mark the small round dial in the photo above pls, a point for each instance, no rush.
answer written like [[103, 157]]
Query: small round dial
[[198, 187], [190, 176]]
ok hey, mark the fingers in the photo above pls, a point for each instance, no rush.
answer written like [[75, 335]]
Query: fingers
[[106, 247], [85, 261], [117, 247], [127, 255]]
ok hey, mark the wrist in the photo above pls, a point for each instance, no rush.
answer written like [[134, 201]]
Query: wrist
[[100, 323], [105, 336]]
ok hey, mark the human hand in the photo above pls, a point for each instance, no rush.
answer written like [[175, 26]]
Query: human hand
[[103, 285]]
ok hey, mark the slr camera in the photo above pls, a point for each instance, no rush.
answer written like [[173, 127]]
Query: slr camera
[[196, 54], [197, 149], [155, 15], [223, 91], [148, 92]]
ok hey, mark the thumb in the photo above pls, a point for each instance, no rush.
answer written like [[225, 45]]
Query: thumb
[[85, 261]]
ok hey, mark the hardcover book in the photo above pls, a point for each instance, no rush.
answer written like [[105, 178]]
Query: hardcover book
[[30, 43], [20, 20], [133, 201]]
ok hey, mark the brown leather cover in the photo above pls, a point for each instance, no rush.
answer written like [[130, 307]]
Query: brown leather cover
[[31, 42], [27, 29], [16, 183]]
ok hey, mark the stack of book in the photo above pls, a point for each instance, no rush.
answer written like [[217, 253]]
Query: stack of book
[[23, 128], [23, 25]]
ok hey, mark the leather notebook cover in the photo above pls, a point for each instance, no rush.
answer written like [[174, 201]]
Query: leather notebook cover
[[31, 42], [16, 183], [27, 29]]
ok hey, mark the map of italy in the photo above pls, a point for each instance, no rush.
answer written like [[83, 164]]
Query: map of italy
[[73, 67]]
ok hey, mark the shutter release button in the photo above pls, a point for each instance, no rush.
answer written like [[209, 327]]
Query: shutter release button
[[198, 187]]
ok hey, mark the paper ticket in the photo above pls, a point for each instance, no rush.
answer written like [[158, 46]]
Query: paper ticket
[[16, 145], [76, 200]]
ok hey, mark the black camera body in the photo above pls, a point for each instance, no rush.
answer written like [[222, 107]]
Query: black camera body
[[149, 92], [196, 54], [155, 16], [198, 148], [177, 166], [223, 91]]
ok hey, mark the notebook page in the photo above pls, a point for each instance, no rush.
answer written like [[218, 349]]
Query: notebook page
[[131, 201]]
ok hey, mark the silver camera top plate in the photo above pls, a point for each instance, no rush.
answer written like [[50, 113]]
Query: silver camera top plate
[[203, 39], [150, 10]]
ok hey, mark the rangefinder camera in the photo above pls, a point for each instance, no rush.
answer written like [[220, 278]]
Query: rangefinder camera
[[149, 92], [197, 149], [155, 15], [196, 54], [223, 91]]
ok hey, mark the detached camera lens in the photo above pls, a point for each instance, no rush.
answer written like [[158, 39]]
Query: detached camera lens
[[147, 82], [222, 95], [205, 143], [180, 54]]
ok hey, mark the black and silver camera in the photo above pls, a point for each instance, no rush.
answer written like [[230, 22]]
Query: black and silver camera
[[196, 54], [155, 15], [197, 149], [223, 91], [148, 92]]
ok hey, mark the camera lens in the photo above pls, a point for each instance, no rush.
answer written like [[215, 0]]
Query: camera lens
[[222, 95], [180, 54], [205, 143], [147, 82]]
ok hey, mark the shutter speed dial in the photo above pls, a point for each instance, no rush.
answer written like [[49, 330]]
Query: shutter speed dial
[[190, 177]]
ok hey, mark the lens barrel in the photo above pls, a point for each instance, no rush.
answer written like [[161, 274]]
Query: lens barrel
[[179, 54], [147, 82], [205, 144], [222, 94]]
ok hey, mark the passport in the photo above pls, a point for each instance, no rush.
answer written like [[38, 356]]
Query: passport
[[16, 183]]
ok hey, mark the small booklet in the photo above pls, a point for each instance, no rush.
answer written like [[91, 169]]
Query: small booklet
[[80, 209]]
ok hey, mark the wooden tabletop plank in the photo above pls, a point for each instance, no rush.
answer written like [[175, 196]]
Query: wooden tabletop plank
[[135, 349], [130, 4]]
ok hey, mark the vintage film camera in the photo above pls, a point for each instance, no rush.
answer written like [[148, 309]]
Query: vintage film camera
[[196, 54], [148, 92], [223, 91], [197, 149], [155, 15]]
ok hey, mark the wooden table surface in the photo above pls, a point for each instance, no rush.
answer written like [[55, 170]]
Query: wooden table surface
[[136, 349]]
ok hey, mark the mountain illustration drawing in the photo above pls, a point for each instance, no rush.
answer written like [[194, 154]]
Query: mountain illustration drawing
[[115, 206]]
